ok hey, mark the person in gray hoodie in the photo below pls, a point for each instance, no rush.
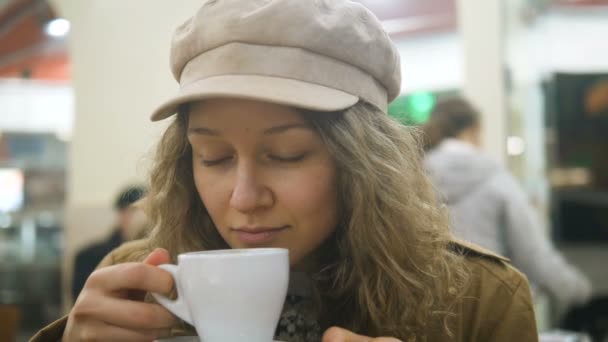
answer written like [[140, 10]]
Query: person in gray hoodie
[[488, 206]]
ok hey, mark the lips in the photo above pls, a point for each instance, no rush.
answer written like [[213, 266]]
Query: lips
[[258, 235]]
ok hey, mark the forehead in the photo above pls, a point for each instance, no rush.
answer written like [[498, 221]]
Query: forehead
[[238, 112]]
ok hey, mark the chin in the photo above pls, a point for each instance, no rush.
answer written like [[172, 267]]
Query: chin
[[294, 260]]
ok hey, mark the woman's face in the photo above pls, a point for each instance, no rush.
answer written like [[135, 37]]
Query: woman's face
[[264, 175]]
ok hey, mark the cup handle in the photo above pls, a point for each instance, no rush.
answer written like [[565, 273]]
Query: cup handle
[[178, 307]]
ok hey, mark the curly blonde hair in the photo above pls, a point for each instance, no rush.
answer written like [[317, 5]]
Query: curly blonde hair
[[386, 268]]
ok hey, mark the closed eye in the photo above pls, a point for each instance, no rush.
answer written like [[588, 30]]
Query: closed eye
[[214, 162], [281, 159], [291, 159]]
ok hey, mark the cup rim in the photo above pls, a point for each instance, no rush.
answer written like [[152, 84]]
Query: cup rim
[[232, 253]]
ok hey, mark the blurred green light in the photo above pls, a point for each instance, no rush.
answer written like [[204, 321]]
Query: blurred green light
[[420, 106], [398, 109], [413, 109]]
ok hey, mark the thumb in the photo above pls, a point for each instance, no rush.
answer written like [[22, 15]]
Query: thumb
[[335, 334], [157, 257]]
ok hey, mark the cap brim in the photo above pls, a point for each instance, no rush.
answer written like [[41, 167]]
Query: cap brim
[[278, 90]]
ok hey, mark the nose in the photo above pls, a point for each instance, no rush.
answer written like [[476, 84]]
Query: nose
[[249, 192]]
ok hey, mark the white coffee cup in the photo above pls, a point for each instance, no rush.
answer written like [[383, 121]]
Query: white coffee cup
[[233, 295]]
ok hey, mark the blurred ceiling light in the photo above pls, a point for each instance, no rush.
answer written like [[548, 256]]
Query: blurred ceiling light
[[57, 27], [515, 146]]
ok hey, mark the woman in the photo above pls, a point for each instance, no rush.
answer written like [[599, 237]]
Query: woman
[[488, 207], [281, 139]]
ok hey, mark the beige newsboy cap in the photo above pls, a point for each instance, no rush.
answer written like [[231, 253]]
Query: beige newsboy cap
[[323, 55]]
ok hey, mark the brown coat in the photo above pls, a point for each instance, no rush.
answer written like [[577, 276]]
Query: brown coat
[[497, 308]]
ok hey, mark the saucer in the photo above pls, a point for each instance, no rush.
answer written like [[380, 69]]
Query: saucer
[[183, 339]]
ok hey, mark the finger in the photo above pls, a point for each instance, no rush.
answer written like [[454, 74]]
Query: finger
[[157, 257], [335, 334], [131, 276], [124, 313], [100, 331]]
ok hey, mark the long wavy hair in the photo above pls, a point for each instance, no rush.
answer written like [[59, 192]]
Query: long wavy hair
[[386, 269]]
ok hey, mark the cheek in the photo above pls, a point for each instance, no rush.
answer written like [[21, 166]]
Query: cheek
[[210, 191], [313, 199]]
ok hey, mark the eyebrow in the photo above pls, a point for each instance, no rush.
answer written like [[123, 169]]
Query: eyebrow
[[203, 131], [272, 130], [283, 128]]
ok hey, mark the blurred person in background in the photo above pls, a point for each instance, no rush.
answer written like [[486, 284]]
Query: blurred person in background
[[488, 207], [130, 223]]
